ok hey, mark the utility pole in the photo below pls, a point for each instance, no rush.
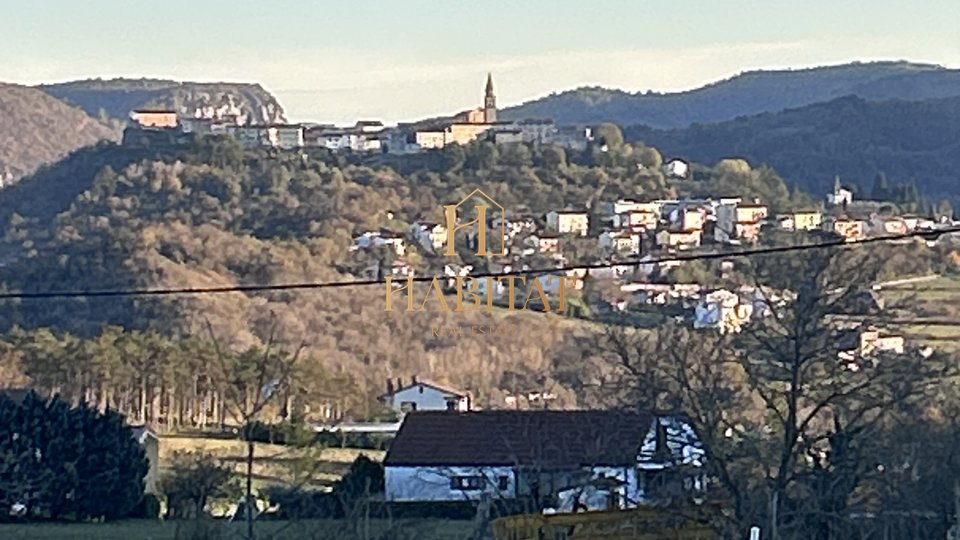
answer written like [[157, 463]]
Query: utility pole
[[248, 502], [774, 518]]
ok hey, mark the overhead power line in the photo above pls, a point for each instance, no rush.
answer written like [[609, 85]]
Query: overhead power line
[[179, 291]]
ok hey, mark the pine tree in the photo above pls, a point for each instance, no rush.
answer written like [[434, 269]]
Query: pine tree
[[64, 462], [881, 188]]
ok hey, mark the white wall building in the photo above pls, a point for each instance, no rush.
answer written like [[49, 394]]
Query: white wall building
[[568, 222], [443, 456], [722, 310], [426, 396], [676, 168]]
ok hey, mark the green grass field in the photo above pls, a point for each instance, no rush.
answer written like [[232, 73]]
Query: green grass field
[[938, 299], [216, 530]]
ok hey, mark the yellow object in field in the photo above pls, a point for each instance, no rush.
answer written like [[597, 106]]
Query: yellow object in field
[[635, 524]]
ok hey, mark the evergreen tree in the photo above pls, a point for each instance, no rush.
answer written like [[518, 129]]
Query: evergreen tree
[[63, 462], [881, 188]]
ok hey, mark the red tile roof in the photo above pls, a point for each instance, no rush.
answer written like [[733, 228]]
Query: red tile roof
[[539, 438]]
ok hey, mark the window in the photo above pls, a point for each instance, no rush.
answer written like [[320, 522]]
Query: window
[[451, 404], [503, 483], [467, 483], [407, 406]]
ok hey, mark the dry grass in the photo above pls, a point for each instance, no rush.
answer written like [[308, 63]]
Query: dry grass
[[273, 463]]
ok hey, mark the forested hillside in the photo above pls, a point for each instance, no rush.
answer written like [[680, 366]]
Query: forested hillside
[[115, 98], [36, 128], [212, 213], [909, 141], [746, 94]]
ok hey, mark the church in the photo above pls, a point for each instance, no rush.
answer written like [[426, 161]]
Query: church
[[464, 127], [487, 114]]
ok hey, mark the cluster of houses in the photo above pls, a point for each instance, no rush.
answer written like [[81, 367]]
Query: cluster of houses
[[634, 235], [371, 135], [628, 230]]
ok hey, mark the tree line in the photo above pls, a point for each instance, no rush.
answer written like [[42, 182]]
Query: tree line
[[214, 212], [173, 383], [804, 438]]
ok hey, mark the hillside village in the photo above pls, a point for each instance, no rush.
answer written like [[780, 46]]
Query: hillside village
[[658, 276], [642, 242]]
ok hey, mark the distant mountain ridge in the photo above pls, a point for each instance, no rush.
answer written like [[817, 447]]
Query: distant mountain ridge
[[36, 129], [116, 98], [909, 141], [43, 124], [749, 93]]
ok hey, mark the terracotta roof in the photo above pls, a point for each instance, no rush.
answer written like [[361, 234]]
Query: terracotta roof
[[538, 438]]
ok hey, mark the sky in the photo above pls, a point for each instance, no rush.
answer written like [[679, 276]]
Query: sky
[[396, 60]]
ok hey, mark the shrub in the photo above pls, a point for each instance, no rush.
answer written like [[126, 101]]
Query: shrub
[[63, 462], [148, 508]]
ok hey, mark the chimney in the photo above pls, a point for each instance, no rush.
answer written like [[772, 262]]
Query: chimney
[[389, 386], [413, 379], [399, 383]]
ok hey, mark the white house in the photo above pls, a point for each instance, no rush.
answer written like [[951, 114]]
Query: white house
[[568, 222], [369, 126], [840, 196], [285, 136], [676, 168], [430, 236], [632, 458], [722, 310], [423, 395], [374, 239], [365, 136], [623, 206], [679, 239], [869, 342], [622, 242], [512, 227], [740, 221]]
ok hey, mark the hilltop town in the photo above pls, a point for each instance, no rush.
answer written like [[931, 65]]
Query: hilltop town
[[480, 123], [642, 242], [471, 318]]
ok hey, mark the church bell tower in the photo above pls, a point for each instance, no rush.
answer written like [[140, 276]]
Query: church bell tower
[[489, 102]]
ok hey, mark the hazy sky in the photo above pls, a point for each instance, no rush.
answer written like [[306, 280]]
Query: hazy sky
[[404, 59]]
